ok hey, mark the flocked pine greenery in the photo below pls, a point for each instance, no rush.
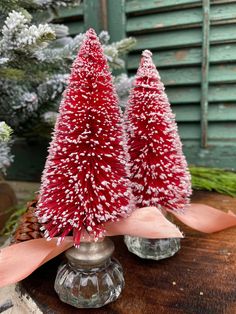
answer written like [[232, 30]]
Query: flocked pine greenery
[[35, 59], [5, 151]]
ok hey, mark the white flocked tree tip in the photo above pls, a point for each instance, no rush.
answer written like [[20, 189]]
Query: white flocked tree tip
[[147, 53]]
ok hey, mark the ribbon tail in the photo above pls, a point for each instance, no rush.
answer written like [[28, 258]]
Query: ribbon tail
[[19, 260], [146, 222], [205, 218]]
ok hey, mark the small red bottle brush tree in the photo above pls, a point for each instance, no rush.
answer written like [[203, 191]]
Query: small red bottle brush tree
[[84, 183], [159, 172]]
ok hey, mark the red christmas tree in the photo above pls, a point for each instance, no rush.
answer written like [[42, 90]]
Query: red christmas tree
[[159, 172], [84, 183]]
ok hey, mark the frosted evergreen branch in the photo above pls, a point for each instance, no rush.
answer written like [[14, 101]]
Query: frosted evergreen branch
[[52, 88], [52, 4], [5, 152], [63, 54], [5, 156], [125, 45], [7, 6], [60, 30], [104, 37], [69, 51], [3, 60], [123, 84], [113, 57], [33, 76], [12, 73], [50, 56], [19, 5], [19, 36], [115, 50], [5, 131], [49, 117], [17, 103]]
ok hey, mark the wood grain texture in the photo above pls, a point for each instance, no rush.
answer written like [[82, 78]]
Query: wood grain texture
[[173, 31], [92, 15], [137, 6], [192, 75], [70, 11], [116, 19], [75, 27], [186, 57], [199, 279], [184, 37], [73, 17], [217, 93], [216, 112], [219, 153], [216, 131], [172, 19]]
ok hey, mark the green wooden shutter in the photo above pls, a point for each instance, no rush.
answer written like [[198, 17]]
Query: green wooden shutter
[[90, 13], [73, 18], [177, 33], [195, 57]]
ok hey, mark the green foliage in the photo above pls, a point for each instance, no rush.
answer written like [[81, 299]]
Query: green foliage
[[7, 6], [12, 221], [35, 59], [213, 179], [5, 152], [5, 131], [20, 37], [12, 74]]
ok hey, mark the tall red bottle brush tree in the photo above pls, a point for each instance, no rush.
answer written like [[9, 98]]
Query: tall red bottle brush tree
[[159, 171], [84, 183]]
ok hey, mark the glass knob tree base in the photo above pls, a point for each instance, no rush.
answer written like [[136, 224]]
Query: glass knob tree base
[[90, 278], [155, 249]]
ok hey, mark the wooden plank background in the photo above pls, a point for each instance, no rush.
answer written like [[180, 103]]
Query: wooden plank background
[[173, 30]]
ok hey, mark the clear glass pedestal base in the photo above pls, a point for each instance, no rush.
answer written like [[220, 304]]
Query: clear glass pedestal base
[[90, 278], [155, 249]]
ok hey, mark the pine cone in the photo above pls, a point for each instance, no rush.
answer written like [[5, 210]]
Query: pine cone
[[28, 227]]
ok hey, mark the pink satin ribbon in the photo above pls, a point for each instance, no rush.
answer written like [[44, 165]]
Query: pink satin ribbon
[[20, 260], [206, 219]]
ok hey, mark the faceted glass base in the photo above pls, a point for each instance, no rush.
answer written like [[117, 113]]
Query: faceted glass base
[[89, 287], [155, 249]]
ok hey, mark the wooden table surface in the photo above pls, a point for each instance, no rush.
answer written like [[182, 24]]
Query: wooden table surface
[[199, 279]]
